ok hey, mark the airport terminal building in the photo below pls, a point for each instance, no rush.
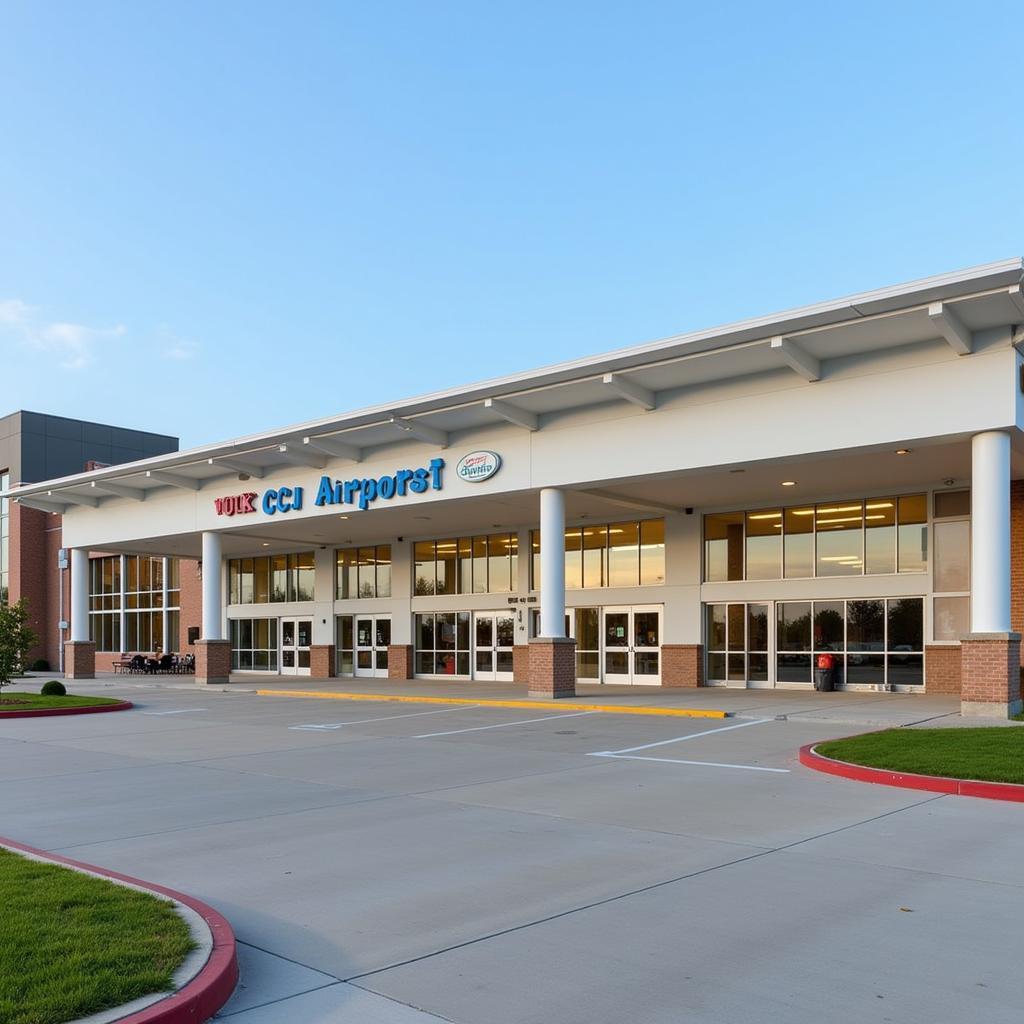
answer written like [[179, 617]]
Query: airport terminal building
[[715, 509]]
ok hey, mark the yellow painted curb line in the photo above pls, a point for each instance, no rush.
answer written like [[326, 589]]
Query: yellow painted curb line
[[615, 709]]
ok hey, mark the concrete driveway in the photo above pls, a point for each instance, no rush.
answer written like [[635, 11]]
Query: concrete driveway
[[403, 863]]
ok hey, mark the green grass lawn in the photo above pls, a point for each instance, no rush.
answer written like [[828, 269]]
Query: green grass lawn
[[73, 944], [990, 754], [15, 701]]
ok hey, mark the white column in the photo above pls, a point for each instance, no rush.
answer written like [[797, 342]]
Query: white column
[[79, 594], [170, 645], [990, 532], [213, 590], [552, 562]]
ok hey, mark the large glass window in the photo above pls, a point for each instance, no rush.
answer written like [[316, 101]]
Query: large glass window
[[951, 565], [253, 644], [764, 545], [875, 641], [442, 643], [144, 605], [269, 579], [723, 547], [852, 537], [626, 554], [105, 602], [486, 564], [364, 572]]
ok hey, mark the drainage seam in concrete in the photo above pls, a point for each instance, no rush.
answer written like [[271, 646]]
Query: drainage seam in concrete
[[635, 892]]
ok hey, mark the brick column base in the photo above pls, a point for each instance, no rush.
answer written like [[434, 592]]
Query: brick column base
[[521, 663], [79, 659], [321, 661], [400, 661], [213, 661], [990, 674], [682, 665], [552, 667]]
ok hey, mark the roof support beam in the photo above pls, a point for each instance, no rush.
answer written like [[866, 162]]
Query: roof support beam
[[1016, 294], [797, 358], [333, 447], [118, 490], [951, 327], [629, 390], [158, 476], [422, 432], [72, 498], [513, 413], [42, 505], [238, 466], [641, 504], [299, 456]]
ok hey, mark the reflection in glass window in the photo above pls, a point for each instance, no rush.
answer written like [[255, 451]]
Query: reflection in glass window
[[848, 537], [723, 547], [253, 644], [951, 617], [764, 545], [467, 565], [798, 527], [623, 554], [952, 568], [839, 530], [913, 533], [626, 554], [880, 535], [362, 572], [442, 641], [269, 578]]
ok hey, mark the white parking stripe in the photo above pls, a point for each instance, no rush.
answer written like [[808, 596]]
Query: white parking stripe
[[182, 711], [363, 721], [505, 725], [703, 764], [689, 736]]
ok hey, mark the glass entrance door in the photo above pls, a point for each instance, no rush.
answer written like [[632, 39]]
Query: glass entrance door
[[296, 639], [372, 636], [494, 636], [632, 645]]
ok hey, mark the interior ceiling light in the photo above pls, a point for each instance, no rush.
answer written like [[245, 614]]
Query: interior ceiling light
[[343, 517], [903, 451], [789, 483]]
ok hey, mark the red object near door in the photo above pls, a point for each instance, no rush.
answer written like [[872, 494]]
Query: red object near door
[[826, 661]]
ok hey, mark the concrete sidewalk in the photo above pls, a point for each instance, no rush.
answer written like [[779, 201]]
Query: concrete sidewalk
[[870, 710]]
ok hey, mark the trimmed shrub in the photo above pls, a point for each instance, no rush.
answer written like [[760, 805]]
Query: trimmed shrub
[[54, 688], [39, 665]]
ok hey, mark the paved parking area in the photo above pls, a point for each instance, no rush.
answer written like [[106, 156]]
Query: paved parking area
[[406, 863]]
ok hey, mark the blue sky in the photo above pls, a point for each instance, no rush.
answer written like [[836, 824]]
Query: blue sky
[[221, 218]]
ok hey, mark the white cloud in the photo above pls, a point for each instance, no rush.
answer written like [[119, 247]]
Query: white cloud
[[175, 347], [73, 345]]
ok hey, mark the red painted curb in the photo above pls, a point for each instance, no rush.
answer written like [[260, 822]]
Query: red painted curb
[[210, 989], [89, 709], [810, 758]]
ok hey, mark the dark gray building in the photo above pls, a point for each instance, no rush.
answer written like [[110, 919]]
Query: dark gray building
[[36, 446]]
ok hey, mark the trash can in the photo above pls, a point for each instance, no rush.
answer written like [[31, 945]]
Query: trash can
[[824, 673]]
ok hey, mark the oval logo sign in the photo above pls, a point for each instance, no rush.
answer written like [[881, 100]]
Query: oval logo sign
[[477, 466]]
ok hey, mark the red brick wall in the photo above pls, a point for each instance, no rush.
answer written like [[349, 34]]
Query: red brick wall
[[321, 661], [191, 602], [29, 570], [399, 661], [991, 670], [552, 667], [942, 668], [521, 663], [682, 665], [1017, 556]]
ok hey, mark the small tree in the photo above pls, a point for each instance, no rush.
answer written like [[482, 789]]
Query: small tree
[[16, 640]]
